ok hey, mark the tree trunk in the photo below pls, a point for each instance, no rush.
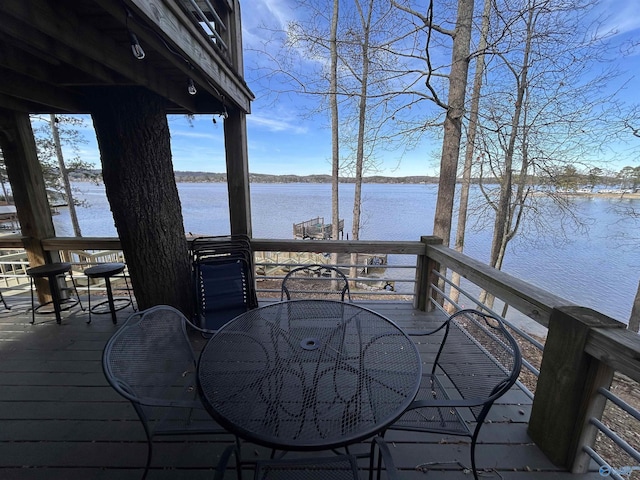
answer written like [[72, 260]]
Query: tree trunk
[[362, 124], [133, 136], [65, 175], [335, 134], [634, 320], [470, 147], [453, 121], [504, 211]]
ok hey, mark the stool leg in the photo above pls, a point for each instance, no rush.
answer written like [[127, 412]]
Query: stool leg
[[4, 302], [112, 307], [55, 294], [89, 297], [129, 291], [33, 305], [75, 289]]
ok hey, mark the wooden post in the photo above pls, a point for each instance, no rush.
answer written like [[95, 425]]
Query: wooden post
[[28, 188], [567, 385], [235, 139], [425, 276]]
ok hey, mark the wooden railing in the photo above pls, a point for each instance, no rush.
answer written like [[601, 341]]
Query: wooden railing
[[582, 351]]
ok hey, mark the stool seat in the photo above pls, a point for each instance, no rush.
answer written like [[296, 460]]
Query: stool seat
[[50, 271], [106, 271]]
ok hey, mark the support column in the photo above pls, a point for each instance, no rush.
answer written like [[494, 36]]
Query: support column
[[28, 188], [425, 277], [235, 139], [567, 385]]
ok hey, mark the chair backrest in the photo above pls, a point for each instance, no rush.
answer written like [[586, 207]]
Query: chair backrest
[[150, 360], [224, 289], [315, 281], [224, 277], [205, 247], [480, 358]]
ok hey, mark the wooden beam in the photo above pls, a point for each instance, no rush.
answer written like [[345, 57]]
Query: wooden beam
[[178, 30], [569, 379], [88, 46], [30, 90], [27, 184], [618, 348], [235, 142], [339, 246], [534, 302]]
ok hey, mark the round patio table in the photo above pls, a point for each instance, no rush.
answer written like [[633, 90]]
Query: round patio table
[[308, 374]]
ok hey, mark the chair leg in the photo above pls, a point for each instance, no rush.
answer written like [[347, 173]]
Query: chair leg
[[473, 458], [149, 455], [224, 460]]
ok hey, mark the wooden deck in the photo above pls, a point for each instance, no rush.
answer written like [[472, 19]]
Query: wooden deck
[[59, 419]]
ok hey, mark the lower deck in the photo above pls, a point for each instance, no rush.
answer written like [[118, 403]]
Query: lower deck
[[59, 419]]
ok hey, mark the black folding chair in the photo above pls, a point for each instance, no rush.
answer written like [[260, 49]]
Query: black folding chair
[[334, 467], [224, 278], [477, 362], [151, 363], [315, 281]]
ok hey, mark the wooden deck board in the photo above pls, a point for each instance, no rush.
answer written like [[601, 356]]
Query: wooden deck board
[[59, 418]]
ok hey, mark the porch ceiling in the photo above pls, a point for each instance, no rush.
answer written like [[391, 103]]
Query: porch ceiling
[[55, 54]]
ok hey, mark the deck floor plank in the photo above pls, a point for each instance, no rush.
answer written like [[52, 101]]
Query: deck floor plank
[[59, 419]]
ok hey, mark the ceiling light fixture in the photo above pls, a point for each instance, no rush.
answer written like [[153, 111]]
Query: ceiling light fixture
[[137, 50]]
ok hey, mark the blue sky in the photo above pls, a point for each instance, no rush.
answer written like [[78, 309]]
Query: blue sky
[[283, 139]]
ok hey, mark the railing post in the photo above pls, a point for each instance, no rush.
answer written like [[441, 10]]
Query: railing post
[[568, 383], [424, 277]]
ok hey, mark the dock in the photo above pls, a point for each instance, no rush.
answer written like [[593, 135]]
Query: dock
[[316, 229]]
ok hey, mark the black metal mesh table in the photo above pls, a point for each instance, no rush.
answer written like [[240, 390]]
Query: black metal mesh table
[[308, 374]]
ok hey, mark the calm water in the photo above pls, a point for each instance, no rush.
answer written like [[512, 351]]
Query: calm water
[[593, 268]]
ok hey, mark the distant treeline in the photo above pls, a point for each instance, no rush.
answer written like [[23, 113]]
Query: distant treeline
[[207, 177], [264, 178]]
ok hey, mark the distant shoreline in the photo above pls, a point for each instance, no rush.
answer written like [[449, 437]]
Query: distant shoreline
[[601, 195]]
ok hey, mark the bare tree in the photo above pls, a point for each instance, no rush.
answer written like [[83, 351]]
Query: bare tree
[[540, 114], [335, 133], [470, 142], [55, 133], [460, 37], [64, 175]]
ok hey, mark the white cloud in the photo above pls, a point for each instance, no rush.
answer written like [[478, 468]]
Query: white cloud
[[262, 16], [275, 124], [194, 134], [620, 16]]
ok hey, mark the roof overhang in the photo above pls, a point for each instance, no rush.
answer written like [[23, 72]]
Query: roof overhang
[[55, 54]]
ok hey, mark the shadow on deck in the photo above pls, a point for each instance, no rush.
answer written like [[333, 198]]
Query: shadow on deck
[[59, 419]]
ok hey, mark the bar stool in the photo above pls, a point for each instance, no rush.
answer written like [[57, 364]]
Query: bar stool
[[106, 271], [50, 271]]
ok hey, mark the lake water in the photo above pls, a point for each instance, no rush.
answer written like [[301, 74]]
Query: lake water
[[593, 268]]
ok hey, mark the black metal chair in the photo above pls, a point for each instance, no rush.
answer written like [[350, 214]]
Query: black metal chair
[[477, 361], [316, 281], [224, 279], [335, 467], [150, 362]]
